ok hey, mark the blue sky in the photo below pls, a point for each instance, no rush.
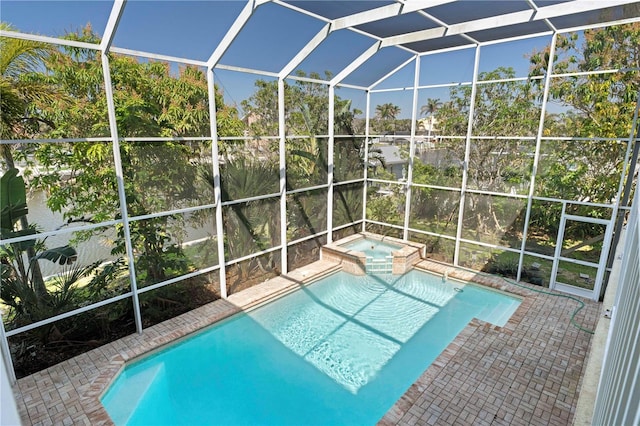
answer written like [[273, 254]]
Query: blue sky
[[192, 29]]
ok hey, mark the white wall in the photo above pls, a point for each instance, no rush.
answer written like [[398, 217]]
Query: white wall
[[8, 411]]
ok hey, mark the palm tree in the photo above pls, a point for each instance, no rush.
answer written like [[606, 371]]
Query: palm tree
[[344, 117], [249, 225], [387, 112], [429, 109], [18, 59]]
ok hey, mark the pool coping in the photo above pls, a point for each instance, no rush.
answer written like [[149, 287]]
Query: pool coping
[[69, 392]]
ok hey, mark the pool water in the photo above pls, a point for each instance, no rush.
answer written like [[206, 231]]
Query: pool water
[[372, 248], [340, 351]]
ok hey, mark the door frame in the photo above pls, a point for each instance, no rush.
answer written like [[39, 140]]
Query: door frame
[[601, 265]]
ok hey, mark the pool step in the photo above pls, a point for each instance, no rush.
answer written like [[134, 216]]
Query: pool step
[[379, 265], [123, 402], [499, 314]]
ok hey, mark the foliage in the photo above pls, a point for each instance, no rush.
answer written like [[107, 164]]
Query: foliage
[[596, 105], [13, 223], [386, 205], [252, 225], [261, 109], [502, 263], [348, 204], [20, 61], [603, 103], [306, 107], [13, 201], [508, 108], [386, 115], [150, 100], [430, 107], [22, 288], [306, 114], [501, 108], [74, 286]]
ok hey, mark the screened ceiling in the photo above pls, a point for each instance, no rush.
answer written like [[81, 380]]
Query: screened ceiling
[[281, 37]]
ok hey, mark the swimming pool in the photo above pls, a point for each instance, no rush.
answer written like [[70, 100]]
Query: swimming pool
[[340, 351]]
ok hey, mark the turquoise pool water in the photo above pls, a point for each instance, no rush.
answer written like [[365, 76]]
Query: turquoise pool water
[[372, 248], [340, 351]]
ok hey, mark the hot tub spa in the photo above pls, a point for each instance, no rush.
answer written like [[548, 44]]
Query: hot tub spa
[[375, 254]]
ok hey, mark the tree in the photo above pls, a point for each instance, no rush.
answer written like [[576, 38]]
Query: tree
[[386, 115], [306, 114], [253, 225], [595, 105], [504, 108], [507, 108], [20, 60], [430, 107], [150, 100], [22, 288]]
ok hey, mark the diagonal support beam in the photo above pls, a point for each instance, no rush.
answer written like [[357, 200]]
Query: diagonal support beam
[[305, 51], [356, 63], [50, 40], [236, 27], [390, 73], [112, 24], [507, 19]]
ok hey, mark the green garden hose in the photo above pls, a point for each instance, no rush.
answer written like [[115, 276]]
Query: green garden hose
[[575, 312], [509, 281]]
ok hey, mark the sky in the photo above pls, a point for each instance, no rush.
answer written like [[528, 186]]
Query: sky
[[192, 29]]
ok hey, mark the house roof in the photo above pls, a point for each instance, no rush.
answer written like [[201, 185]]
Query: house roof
[[391, 155]]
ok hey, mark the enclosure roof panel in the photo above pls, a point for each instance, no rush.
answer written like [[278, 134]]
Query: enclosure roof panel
[[438, 43], [471, 10], [609, 14], [376, 67], [279, 37], [331, 56], [154, 26], [257, 47], [334, 9], [509, 31], [62, 16], [398, 24]]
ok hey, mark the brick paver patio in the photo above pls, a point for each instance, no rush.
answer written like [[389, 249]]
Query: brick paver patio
[[527, 372]]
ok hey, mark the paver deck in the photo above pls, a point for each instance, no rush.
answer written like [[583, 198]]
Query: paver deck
[[527, 372]]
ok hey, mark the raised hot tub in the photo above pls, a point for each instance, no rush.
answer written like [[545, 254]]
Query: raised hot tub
[[369, 253]]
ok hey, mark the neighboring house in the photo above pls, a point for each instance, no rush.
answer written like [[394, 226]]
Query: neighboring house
[[428, 125], [393, 160]]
